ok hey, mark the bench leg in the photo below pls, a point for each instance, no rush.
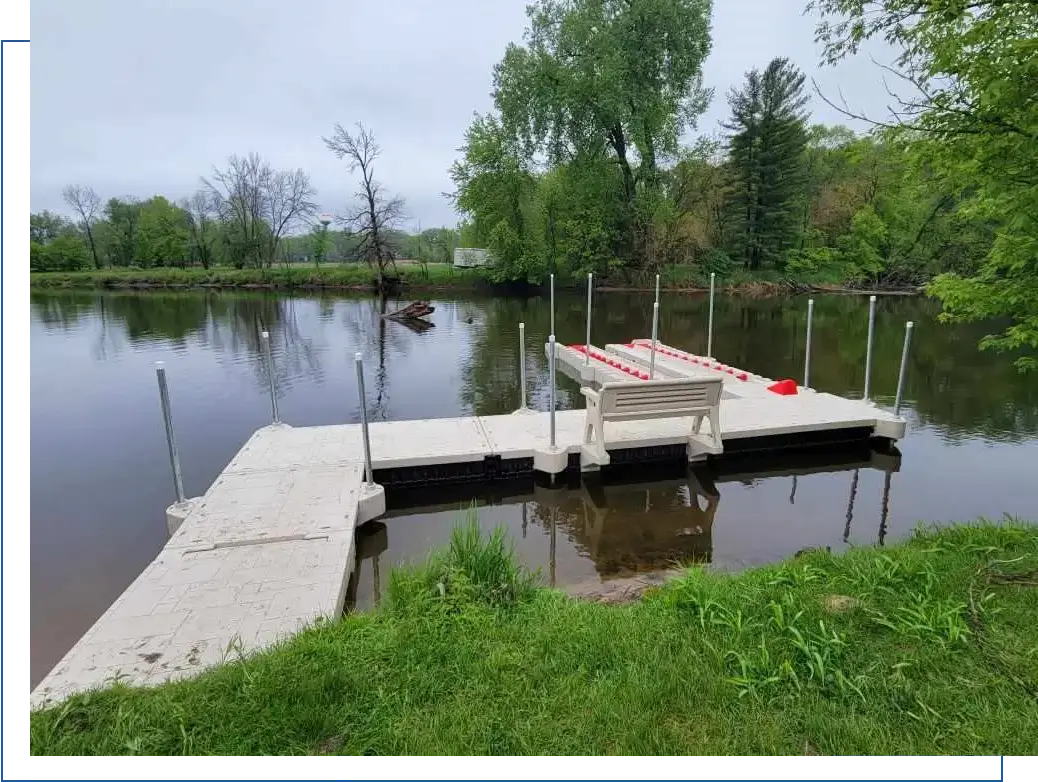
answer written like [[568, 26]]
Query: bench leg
[[697, 424], [600, 439], [715, 426]]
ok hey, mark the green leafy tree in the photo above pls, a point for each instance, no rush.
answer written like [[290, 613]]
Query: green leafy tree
[[121, 232], [46, 226], [970, 70], [164, 236], [493, 187], [767, 158], [66, 252], [618, 80], [320, 243]]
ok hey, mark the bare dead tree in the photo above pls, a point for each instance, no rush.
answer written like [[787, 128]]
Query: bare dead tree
[[374, 214], [288, 202], [87, 205], [260, 204], [237, 191], [202, 209]]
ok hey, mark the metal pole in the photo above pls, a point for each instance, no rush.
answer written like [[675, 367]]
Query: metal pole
[[587, 341], [710, 321], [657, 287], [904, 365], [270, 375], [868, 346], [522, 366], [171, 440], [551, 381], [655, 334], [359, 360], [552, 329], [807, 347]]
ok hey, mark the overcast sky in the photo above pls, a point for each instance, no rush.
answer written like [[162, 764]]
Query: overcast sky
[[137, 97]]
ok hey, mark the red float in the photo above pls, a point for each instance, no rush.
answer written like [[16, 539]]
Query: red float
[[785, 387]]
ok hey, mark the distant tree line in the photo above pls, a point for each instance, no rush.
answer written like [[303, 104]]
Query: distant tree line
[[246, 214]]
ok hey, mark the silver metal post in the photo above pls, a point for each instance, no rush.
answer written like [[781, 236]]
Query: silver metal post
[[551, 392], [359, 360], [655, 335], [552, 329], [265, 335], [710, 321], [587, 341], [657, 287], [522, 366], [904, 366], [171, 440], [807, 346], [868, 346]]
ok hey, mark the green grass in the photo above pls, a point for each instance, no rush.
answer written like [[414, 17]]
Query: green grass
[[327, 276], [926, 647]]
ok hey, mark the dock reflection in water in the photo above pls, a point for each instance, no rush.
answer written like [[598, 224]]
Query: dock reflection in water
[[645, 519]]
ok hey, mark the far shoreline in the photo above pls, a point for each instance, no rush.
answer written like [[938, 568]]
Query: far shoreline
[[438, 278]]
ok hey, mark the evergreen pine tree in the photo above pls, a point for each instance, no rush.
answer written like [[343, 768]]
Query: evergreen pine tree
[[766, 149]]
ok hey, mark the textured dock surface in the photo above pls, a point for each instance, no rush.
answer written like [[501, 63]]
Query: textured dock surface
[[270, 546], [265, 551]]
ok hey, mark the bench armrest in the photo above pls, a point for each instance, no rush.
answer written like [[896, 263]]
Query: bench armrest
[[590, 393]]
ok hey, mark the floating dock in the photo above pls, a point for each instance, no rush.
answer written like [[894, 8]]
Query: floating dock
[[269, 548]]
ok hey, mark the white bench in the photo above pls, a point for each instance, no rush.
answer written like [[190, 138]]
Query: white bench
[[641, 400]]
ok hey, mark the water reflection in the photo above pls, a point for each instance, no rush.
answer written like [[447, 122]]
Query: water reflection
[[951, 386], [100, 478], [623, 522]]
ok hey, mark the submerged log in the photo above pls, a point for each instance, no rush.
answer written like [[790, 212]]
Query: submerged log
[[413, 315], [416, 309]]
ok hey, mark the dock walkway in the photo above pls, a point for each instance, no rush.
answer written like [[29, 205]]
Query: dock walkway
[[269, 548]]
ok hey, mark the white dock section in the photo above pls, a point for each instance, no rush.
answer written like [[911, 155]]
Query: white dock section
[[269, 548]]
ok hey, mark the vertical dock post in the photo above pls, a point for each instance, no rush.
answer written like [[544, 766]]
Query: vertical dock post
[[587, 340], [655, 336], [552, 285], [551, 392], [807, 346], [904, 366], [522, 366], [171, 440], [710, 321], [368, 475], [265, 336], [868, 346]]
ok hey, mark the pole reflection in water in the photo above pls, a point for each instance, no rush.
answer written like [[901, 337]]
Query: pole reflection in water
[[884, 508], [372, 541], [793, 492], [850, 507], [552, 547]]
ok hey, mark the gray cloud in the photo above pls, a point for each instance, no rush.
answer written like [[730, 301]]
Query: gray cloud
[[138, 97]]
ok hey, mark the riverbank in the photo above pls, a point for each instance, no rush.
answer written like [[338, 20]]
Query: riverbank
[[412, 277], [926, 647]]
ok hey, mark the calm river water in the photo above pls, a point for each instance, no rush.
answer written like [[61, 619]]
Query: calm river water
[[101, 482]]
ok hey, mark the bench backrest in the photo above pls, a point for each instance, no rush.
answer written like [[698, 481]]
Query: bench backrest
[[659, 398]]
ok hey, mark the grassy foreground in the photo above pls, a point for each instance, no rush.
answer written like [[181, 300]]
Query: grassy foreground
[[927, 647]]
